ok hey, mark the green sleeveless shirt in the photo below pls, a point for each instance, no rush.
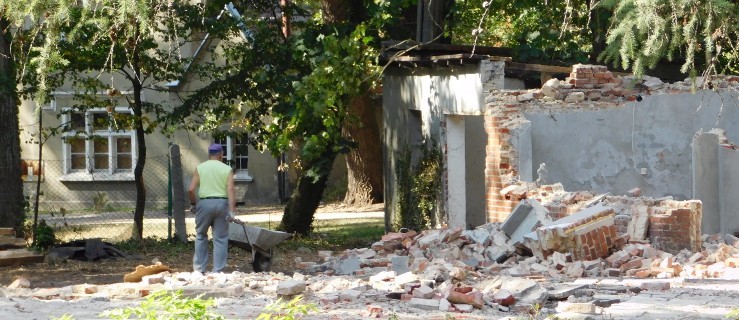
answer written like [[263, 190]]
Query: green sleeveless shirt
[[213, 179]]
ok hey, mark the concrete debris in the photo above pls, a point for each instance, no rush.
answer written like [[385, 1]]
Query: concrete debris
[[291, 287], [552, 237], [525, 218]]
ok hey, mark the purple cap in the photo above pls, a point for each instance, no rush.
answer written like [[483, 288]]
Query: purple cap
[[215, 149]]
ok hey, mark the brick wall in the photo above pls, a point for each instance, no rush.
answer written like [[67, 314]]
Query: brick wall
[[587, 235], [677, 227], [497, 167]]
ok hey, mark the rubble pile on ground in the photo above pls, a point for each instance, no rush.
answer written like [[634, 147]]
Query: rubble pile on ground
[[498, 264], [531, 261]]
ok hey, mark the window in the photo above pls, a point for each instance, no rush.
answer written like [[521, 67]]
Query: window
[[99, 144], [236, 154]]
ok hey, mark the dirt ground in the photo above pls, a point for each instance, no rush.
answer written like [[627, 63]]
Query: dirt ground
[[107, 271]]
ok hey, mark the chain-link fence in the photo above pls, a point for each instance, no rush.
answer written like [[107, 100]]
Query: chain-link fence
[[98, 204]]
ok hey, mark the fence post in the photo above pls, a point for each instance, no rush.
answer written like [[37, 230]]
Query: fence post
[[169, 197], [178, 193]]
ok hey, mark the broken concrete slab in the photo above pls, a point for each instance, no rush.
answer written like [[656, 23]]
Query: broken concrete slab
[[349, 265], [565, 291], [291, 287], [400, 264], [587, 235], [525, 218], [639, 224], [424, 304], [576, 307]]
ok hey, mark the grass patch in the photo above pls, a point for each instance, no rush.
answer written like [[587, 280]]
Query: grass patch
[[334, 235], [156, 246], [339, 234]]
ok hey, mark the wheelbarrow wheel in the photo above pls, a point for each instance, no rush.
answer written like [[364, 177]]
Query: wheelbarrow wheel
[[261, 262]]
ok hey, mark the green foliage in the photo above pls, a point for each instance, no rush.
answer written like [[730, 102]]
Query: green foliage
[[167, 305], [733, 314], [290, 310], [419, 188], [550, 33], [63, 317], [646, 31], [45, 236]]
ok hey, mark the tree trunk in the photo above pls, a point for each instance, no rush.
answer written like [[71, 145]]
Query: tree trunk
[[298, 215], [11, 185], [363, 164], [138, 172]]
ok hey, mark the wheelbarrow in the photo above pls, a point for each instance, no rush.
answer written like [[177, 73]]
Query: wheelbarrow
[[258, 240]]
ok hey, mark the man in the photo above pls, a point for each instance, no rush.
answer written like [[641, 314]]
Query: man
[[214, 207]]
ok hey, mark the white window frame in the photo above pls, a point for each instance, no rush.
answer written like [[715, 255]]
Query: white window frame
[[239, 174], [112, 173]]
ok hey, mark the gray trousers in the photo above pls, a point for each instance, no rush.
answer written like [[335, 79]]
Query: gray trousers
[[211, 213]]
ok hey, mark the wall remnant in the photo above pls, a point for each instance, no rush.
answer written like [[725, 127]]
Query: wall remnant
[[587, 235], [621, 143]]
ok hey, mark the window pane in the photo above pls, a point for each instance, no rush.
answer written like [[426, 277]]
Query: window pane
[[101, 161], [241, 150], [100, 146], [123, 145], [100, 121], [77, 121], [78, 162], [124, 161], [77, 145], [241, 153], [100, 150], [123, 155], [242, 163], [224, 143]]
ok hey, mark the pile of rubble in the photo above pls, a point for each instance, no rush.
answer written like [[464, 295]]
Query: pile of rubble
[[502, 265], [532, 262]]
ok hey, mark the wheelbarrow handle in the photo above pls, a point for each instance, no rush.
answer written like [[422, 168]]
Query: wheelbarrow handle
[[236, 221]]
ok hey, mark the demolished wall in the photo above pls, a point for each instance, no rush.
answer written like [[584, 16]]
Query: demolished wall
[[600, 132], [589, 225]]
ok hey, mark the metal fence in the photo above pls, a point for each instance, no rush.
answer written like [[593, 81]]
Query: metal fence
[[98, 205]]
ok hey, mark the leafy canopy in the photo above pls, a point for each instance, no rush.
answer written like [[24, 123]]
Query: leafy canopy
[[645, 31]]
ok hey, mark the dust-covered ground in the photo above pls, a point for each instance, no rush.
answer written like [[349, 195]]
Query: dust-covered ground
[[106, 271]]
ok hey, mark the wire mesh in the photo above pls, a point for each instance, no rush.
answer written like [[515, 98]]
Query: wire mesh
[[82, 205]]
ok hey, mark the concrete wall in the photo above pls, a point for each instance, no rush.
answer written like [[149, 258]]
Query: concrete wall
[[728, 165], [429, 95], [706, 180], [475, 140], [608, 150]]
